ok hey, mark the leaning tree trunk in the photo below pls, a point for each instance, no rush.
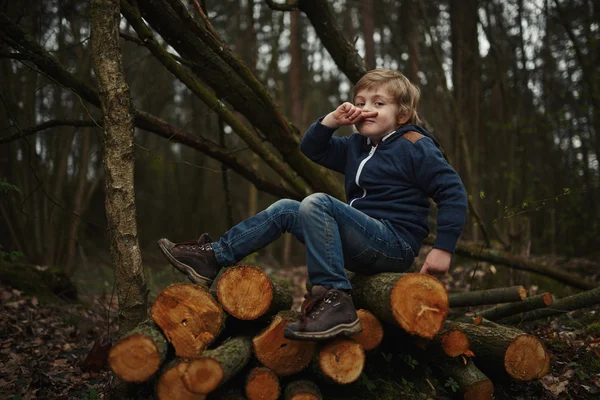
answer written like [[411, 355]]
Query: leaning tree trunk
[[118, 164]]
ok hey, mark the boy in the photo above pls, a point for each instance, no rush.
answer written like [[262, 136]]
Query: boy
[[391, 166]]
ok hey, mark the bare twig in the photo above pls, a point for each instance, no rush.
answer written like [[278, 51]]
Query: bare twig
[[47, 125]]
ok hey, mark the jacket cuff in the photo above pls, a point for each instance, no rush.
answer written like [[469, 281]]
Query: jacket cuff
[[446, 241]]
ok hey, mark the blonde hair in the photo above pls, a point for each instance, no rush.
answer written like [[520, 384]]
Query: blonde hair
[[405, 93]]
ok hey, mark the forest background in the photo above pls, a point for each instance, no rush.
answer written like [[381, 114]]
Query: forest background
[[510, 88]]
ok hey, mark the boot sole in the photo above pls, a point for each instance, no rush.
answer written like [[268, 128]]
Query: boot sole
[[350, 329], [184, 268]]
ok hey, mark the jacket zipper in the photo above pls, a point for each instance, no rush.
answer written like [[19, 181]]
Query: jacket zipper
[[360, 168]]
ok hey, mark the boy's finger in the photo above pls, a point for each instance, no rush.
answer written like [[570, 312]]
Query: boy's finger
[[368, 114]]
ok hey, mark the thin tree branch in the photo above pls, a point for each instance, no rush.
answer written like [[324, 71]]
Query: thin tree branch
[[47, 125], [137, 41]]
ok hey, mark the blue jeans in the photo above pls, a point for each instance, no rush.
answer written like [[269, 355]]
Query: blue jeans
[[336, 236]]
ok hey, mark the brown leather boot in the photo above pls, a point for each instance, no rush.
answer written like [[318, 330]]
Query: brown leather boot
[[195, 258], [326, 313]]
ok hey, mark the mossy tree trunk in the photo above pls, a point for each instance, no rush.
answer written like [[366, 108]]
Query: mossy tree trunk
[[118, 164]]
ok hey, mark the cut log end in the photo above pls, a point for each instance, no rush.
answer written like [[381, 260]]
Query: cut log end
[[189, 317], [302, 390], [262, 384], [283, 356], [203, 375], [420, 304], [304, 396], [134, 358], [482, 390], [171, 386], [342, 360], [522, 293], [454, 343], [372, 333], [547, 298], [526, 358], [255, 286]]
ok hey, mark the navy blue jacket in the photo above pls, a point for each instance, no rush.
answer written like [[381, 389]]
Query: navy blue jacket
[[394, 180]]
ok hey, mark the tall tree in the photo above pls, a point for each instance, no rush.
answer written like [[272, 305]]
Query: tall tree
[[118, 164]]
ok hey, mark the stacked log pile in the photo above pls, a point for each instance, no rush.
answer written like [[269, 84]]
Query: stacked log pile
[[201, 341]]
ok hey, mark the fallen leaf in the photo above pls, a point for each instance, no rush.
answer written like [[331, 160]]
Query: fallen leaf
[[554, 385]]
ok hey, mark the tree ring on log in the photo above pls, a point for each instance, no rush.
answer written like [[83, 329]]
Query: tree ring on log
[[170, 385], [203, 375], [257, 289], [419, 304], [283, 356], [342, 360], [372, 333], [262, 384], [134, 358], [189, 317], [526, 358], [454, 342]]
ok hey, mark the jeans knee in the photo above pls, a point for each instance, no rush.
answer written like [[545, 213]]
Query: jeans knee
[[284, 205], [314, 201]]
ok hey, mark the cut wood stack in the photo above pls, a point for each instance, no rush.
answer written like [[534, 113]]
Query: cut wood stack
[[190, 320]]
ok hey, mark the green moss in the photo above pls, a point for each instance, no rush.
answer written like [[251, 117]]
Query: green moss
[[48, 285]]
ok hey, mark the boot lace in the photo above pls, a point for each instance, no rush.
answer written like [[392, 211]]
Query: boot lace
[[202, 244], [314, 305]]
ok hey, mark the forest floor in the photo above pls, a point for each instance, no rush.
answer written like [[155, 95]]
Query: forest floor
[[43, 346]]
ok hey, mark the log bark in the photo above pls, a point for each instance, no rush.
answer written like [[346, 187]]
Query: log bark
[[372, 334], [489, 296], [170, 384], [189, 317], [474, 384], [302, 390], [570, 303], [283, 356], [247, 293], [506, 310], [418, 303], [215, 367], [262, 384], [499, 348], [139, 354], [340, 361]]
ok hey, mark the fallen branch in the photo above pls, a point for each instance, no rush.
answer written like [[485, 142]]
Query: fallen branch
[[575, 302], [489, 296], [506, 310]]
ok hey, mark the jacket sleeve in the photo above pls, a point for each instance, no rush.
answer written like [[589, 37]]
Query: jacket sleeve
[[441, 182], [320, 146]]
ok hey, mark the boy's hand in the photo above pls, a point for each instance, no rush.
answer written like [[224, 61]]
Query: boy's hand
[[346, 114], [437, 262]]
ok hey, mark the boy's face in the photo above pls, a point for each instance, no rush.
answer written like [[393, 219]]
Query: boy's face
[[387, 119]]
